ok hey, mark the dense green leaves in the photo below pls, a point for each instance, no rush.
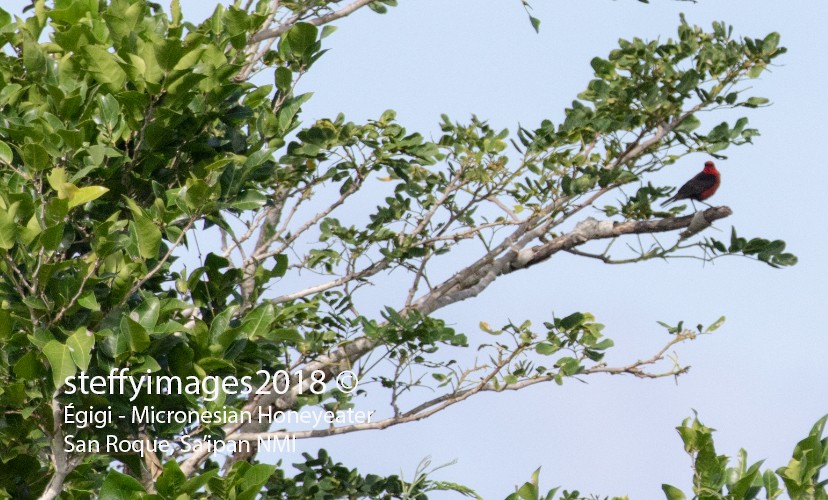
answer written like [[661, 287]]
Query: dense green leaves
[[801, 475], [713, 478]]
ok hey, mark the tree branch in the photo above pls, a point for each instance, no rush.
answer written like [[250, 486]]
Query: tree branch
[[440, 403], [591, 229], [61, 461], [319, 21], [466, 284], [365, 273]]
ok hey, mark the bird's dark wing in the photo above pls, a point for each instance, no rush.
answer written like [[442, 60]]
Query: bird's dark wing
[[697, 185]]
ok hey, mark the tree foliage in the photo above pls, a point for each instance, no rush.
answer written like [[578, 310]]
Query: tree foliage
[[713, 479], [160, 214]]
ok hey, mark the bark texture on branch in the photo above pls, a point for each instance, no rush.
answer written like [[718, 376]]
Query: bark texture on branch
[[591, 229], [473, 280]]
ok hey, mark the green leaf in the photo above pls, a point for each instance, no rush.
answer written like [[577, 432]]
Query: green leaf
[[171, 481], [535, 23], [571, 321], [715, 326], [250, 200], [289, 109], [138, 337], [257, 476], [148, 234], [237, 21], [196, 194], [175, 12], [280, 269], [104, 67], [5, 18], [80, 346], [86, 194], [258, 321], [6, 155], [109, 111], [745, 483], [148, 312], [219, 326], [119, 343], [33, 57], [689, 124], [602, 67], [528, 491], [189, 60], [5, 324], [770, 43], [283, 78], [196, 482], [603, 345], [378, 7], [72, 12], [785, 259], [145, 364], [56, 179], [119, 486], [8, 227], [771, 483], [89, 301], [284, 335], [545, 349], [672, 493], [327, 30], [28, 367], [756, 70], [35, 157], [754, 102], [300, 38], [215, 364], [167, 54], [60, 359]]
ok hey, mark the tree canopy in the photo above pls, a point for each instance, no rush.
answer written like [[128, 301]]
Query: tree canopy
[[163, 217]]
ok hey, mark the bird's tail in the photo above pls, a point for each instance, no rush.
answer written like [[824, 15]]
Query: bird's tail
[[668, 201]]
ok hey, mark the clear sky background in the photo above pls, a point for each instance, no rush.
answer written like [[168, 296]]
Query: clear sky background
[[761, 380]]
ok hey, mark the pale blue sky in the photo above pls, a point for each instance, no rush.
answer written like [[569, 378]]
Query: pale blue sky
[[760, 380]]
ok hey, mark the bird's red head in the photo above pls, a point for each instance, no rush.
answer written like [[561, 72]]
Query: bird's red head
[[709, 166]]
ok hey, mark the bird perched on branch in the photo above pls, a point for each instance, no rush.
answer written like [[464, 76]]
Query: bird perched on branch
[[700, 187]]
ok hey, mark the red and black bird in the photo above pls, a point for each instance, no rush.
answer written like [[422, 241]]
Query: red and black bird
[[700, 187]]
